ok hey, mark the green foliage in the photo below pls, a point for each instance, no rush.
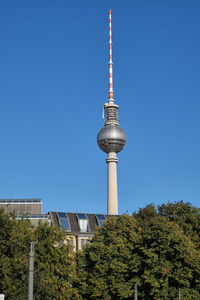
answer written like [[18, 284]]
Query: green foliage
[[15, 237], [185, 215], [55, 268], [150, 249], [157, 248], [104, 261], [169, 260]]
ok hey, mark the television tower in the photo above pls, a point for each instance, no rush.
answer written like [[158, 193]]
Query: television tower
[[111, 138]]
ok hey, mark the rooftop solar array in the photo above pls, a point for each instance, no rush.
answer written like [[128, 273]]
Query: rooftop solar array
[[100, 219], [63, 220], [33, 216], [17, 201]]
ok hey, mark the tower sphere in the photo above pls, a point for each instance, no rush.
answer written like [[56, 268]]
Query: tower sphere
[[111, 138]]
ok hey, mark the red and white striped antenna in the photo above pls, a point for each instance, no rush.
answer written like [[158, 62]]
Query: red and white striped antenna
[[111, 99]]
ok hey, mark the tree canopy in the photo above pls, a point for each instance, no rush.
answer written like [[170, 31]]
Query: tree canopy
[[152, 248], [157, 248], [54, 259]]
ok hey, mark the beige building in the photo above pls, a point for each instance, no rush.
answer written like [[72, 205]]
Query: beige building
[[80, 227]]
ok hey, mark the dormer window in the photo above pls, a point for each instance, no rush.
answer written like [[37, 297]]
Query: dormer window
[[83, 222], [100, 219], [63, 220]]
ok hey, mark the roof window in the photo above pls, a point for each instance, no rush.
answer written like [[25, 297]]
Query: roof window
[[63, 220], [100, 219], [83, 222]]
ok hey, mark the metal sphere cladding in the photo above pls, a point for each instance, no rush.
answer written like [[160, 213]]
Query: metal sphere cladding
[[111, 138]]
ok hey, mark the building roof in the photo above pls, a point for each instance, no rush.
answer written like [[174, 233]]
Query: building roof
[[78, 223], [18, 201]]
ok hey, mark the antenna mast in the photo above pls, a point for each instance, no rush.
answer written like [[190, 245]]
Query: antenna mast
[[111, 99]]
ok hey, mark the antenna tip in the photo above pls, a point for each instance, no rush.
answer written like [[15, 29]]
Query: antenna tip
[[110, 12]]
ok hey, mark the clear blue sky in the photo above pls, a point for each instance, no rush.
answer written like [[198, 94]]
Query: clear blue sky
[[54, 80]]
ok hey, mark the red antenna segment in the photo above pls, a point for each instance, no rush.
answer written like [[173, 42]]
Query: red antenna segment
[[111, 99]]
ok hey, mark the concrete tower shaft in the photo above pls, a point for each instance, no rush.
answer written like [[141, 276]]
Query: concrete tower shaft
[[111, 138]]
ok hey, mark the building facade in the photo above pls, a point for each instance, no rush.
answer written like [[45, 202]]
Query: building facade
[[79, 227], [25, 208]]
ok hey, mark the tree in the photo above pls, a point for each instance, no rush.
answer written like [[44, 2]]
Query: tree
[[15, 236], [158, 256], [55, 268], [108, 267], [169, 260], [185, 215]]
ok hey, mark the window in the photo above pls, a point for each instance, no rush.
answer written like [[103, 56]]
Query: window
[[70, 242], [63, 220], [100, 220], [83, 222], [84, 243]]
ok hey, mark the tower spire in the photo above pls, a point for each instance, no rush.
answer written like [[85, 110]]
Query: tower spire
[[111, 99]]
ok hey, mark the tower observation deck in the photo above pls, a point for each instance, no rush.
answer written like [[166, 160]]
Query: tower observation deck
[[111, 138]]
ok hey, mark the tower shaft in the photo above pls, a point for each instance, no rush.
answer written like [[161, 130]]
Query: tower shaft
[[112, 195]]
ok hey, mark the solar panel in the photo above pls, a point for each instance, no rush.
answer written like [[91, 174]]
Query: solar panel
[[100, 219], [33, 216], [63, 220], [20, 201]]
